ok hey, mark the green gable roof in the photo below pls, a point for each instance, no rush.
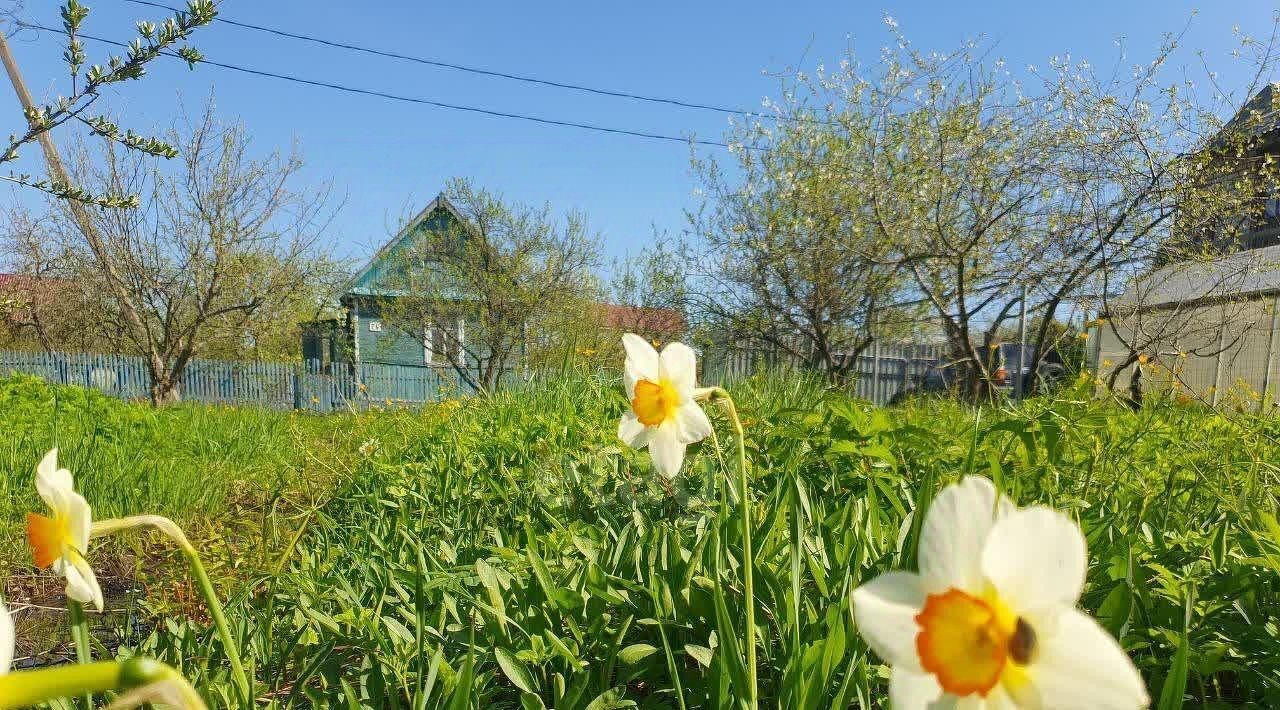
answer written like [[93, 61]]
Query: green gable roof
[[438, 216]]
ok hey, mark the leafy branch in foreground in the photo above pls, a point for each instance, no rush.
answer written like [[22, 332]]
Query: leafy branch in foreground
[[153, 40]]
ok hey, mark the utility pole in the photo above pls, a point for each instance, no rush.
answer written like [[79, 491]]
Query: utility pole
[[58, 172], [1019, 385]]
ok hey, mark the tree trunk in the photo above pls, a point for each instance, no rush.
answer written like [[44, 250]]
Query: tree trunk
[[1135, 387], [164, 390]]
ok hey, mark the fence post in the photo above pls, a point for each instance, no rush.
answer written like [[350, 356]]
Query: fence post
[[875, 373], [905, 370], [1019, 384], [1217, 359], [1271, 352]]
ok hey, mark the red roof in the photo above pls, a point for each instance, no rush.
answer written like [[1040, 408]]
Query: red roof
[[646, 321], [23, 282], [30, 289]]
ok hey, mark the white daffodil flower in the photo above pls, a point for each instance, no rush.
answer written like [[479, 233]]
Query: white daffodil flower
[[664, 414], [990, 621], [8, 640], [61, 540]]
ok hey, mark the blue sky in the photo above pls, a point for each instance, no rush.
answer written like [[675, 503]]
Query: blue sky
[[388, 157]]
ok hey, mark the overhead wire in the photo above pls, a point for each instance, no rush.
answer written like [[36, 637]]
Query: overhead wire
[[389, 54], [400, 97]]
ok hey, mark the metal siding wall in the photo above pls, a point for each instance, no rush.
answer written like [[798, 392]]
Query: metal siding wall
[[1243, 333], [1244, 363]]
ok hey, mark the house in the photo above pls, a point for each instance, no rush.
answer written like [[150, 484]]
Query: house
[[364, 335], [1203, 321], [660, 324], [32, 310]]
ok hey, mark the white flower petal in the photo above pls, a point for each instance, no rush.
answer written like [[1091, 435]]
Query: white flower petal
[[913, 690], [79, 519], [997, 699], [642, 363], [954, 534], [52, 482], [692, 423], [885, 609], [1036, 558], [82, 583], [666, 449], [680, 366], [8, 641], [1081, 666], [632, 432]]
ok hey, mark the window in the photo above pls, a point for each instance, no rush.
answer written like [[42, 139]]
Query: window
[[441, 349]]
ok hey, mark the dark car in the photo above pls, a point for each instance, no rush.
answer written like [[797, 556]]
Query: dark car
[[943, 377]]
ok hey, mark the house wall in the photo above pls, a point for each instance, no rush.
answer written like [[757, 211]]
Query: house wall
[[1219, 353], [381, 342]]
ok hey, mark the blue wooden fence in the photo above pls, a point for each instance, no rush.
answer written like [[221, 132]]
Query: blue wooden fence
[[277, 385]]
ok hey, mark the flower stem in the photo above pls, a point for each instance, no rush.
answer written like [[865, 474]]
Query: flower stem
[[167, 526], [220, 622], [666, 645], [27, 688], [80, 635], [748, 554]]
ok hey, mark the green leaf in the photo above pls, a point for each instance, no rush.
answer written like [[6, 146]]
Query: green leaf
[[701, 654], [1175, 684], [609, 700], [398, 629], [1116, 609], [515, 670], [636, 652]]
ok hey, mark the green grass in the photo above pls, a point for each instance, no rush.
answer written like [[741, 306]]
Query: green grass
[[510, 552], [217, 471]]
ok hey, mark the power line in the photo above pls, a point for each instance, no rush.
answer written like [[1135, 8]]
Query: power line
[[477, 70], [398, 97]]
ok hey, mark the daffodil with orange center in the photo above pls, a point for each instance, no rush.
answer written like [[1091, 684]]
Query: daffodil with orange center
[[60, 540], [664, 413], [990, 621]]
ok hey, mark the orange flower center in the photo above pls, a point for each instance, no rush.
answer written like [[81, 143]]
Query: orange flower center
[[47, 537], [655, 402], [966, 641]]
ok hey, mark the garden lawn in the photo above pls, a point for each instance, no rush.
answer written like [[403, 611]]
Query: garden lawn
[[219, 472], [510, 552]]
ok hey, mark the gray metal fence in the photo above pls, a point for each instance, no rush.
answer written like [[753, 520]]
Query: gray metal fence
[[276, 385], [879, 373]]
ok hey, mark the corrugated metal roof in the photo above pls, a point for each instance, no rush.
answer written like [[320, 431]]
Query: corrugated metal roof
[[1259, 114], [1241, 274]]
